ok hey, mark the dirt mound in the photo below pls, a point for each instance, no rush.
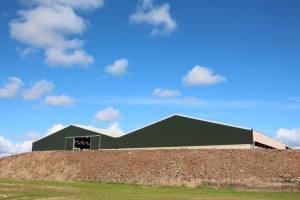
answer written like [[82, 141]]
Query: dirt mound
[[252, 168]]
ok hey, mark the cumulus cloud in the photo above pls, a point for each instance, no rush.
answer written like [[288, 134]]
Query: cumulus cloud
[[26, 51], [77, 4], [191, 100], [38, 89], [11, 88], [118, 68], [108, 114], [8, 148], [33, 136], [202, 76], [157, 16], [54, 128], [61, 100], [289, 136], [29, 136], [165, 92], [115, 127], [49, 26]]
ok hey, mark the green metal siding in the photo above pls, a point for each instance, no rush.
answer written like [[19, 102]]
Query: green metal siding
[[95, 142], [69, 144], [175, 131], [179, 131], [57, 140], [108, 142]]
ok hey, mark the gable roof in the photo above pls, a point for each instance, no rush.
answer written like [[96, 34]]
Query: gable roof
[[116, 134], [113, 134], [100, 131], [178, 115]]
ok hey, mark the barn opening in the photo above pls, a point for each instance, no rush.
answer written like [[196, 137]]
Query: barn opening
[[82, 143], [88, 142], [264, 146]]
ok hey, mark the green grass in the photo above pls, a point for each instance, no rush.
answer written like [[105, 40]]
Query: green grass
[[33, 189]]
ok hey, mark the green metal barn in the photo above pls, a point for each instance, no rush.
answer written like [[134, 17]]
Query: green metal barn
[[77, 137], [179, 131], [182, 131], [176, 131]]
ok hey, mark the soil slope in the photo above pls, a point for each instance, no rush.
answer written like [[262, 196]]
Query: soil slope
[[252, 168]]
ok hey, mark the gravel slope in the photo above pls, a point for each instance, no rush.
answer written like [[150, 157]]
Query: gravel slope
[[251, 168]]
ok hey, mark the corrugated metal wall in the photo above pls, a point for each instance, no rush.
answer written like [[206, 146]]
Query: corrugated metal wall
[[60, 140], [179, 131], [175, 131]]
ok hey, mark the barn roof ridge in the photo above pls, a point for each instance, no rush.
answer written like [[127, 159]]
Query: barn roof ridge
[[110, 133], [116, 134], [52, 133], [180, 115]]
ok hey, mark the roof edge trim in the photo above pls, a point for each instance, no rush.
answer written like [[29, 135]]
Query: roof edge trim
[[189, 118], [249, 129], [52, 133]]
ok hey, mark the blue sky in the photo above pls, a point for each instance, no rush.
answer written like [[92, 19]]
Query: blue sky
[[121, 65]]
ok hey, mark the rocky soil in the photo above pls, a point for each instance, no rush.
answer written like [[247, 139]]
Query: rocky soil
[[248, 169]]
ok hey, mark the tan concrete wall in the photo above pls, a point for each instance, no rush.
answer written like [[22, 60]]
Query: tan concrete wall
[[261, 138], [233, 146]]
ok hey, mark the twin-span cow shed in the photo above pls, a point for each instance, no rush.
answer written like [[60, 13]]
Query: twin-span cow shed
[[176, 131]]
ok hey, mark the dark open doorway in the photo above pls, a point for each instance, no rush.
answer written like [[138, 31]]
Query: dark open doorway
[[82, 143]]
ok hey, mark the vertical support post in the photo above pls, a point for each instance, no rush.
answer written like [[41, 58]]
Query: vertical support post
[[99, 141], [65, 144]]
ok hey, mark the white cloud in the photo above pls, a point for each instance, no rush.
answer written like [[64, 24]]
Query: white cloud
[[151, 100], [289, 136], [108, 114], [38, 89], [115, 127], [26, 51], [62, 100], [33, 136], [191, 100], [8, 148], [118, 68], [77, 4], [54, 128], [158, 16], [49, 25], [57, 57], [201, 76], [165, 92], [11, 88]]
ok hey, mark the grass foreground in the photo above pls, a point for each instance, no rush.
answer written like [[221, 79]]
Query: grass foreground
[[35, 189]]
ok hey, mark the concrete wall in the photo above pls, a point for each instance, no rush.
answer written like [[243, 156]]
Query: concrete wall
[[233, 146], [261, 138]]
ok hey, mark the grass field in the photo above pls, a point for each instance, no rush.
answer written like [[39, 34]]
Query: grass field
[[32, 189]]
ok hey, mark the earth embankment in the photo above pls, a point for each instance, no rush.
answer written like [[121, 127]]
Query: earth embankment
[[251, 168]]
